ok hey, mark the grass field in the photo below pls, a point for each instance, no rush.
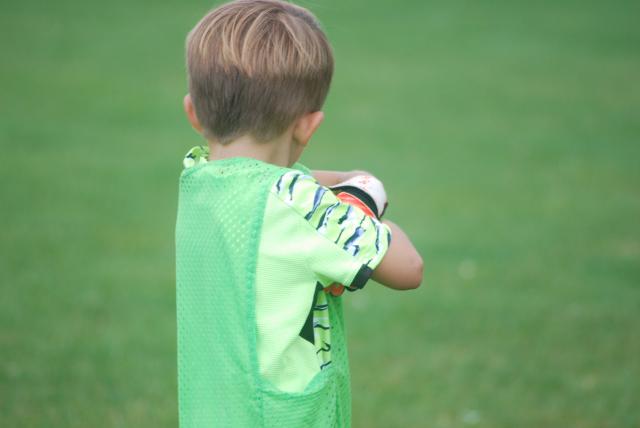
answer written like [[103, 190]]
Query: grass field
[[507, 134]]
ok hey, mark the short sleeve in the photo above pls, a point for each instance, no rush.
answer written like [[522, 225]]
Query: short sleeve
[[342, 244]]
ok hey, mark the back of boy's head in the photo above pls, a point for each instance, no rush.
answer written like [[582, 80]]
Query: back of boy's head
[[255, 66]]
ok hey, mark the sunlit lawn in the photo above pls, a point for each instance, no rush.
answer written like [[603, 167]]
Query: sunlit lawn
[[507, 135]]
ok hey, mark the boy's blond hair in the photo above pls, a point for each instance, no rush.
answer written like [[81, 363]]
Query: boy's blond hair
[[255, 66]]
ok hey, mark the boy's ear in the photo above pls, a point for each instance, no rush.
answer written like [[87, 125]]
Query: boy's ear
[[191, 113], [306, 126]]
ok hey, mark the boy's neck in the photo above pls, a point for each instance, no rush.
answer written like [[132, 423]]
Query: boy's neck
[[282, 151]]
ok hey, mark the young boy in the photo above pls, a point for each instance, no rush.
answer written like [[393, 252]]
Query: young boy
[[261, 242]]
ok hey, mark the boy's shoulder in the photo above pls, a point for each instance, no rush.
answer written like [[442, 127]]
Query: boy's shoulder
[[299, 190], [236, 174], [199, 156], [302, 217], [345, 226]]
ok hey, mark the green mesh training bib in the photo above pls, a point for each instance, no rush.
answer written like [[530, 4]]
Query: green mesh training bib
[[219, 224]]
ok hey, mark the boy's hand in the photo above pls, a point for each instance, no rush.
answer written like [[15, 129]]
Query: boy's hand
[[356, 183], [365, 191]]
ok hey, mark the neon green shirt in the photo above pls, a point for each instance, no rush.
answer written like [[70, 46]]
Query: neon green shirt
[[260, 342]]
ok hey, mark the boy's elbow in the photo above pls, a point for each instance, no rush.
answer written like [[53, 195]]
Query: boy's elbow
[[406, 275], [418, 272], [413, 275]]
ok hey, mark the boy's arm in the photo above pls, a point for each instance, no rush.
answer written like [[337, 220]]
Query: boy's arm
[[331, 178], [401, 267]]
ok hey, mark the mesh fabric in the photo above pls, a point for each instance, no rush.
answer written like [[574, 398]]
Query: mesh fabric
[[220, 215]]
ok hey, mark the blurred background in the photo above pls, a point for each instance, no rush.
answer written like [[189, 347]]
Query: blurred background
[[507, 134]]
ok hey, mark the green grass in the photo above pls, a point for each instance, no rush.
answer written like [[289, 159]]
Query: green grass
[[507, 134]]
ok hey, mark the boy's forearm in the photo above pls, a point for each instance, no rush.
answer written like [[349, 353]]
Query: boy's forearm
[[331, 178]]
